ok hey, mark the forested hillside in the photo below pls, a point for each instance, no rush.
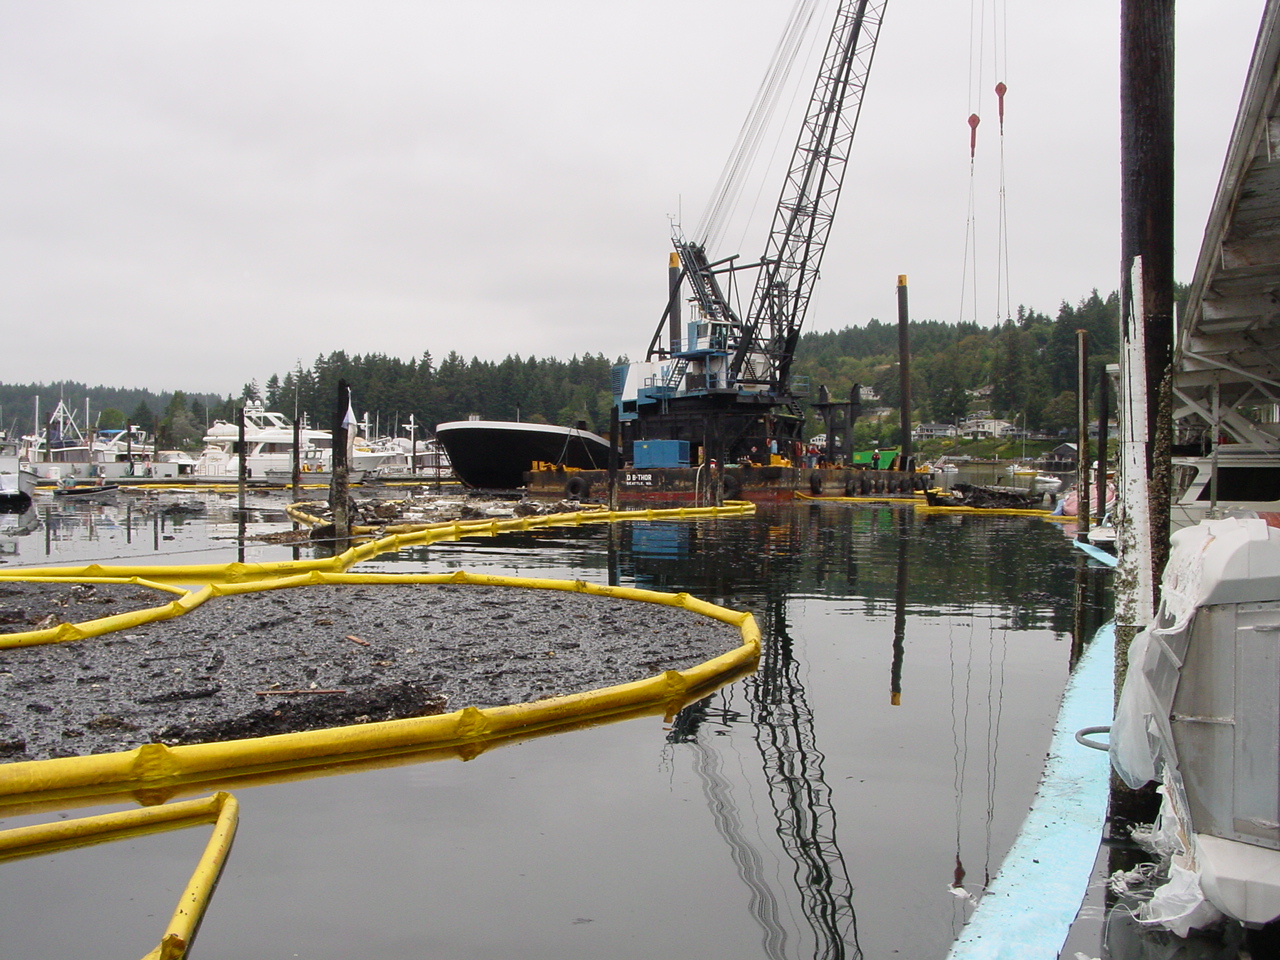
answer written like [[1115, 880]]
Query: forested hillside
[[388, 388], [1029, 363], [1023, 369], [108, 408]]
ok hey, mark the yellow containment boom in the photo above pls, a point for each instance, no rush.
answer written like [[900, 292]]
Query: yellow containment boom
[[153, 772], [424, 534], [221, 810]]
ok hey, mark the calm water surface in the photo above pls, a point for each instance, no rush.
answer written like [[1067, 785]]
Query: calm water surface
[[849, 799]]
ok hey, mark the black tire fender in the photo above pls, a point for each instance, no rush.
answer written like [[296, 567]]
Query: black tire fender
[[577, 488]]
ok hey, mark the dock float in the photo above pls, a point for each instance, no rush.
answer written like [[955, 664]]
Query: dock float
[[1028, 910]]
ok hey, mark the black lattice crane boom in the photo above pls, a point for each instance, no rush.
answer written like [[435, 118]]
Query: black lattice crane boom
[[722, 381], [807, 206]]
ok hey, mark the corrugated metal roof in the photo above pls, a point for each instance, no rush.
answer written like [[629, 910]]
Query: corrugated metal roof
[[1230, 332]]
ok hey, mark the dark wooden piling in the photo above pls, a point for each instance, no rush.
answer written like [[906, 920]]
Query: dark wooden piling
[[242, 465], [297, 459], [339, 494], [1082, 435], [904, 373], [1146, 251], [614, 433], [1146, 194]]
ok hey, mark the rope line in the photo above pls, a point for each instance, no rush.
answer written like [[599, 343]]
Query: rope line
[[729, 186]]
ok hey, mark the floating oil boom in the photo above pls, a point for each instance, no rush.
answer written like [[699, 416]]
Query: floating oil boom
[[724, 383]]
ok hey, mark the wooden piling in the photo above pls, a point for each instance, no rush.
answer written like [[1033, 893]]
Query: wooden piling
[[339, 495]]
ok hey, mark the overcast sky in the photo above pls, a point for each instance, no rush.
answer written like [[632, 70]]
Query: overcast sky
[[194, 195]]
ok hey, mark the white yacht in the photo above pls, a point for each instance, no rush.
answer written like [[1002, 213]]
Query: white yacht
[[269, 441], [1248, 483]]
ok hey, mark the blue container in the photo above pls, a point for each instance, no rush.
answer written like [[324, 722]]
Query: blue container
[[660, 453]]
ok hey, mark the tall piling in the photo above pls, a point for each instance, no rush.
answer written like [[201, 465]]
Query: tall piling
[[615, 435], [296, 476], [1082, 435], [242, 464], [242, 471], [339, 495], [904, 373], [1146, 329], [413, 446], [673, 301]]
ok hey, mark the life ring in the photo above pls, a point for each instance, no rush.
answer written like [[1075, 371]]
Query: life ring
[[815, 483], [731, 487], [577, 488]]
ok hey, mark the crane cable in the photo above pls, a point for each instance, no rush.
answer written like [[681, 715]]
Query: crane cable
[[977, 22], [741, 158], [977, 60], [999, 25]]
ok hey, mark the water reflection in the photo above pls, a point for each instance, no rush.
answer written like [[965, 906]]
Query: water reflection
[[781, 722], [908, 682], [15, 524], [134, 526]]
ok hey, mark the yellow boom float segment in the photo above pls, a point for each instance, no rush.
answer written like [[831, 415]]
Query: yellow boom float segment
[[64, 632], [424, 534], [869, 498], [221, 810]]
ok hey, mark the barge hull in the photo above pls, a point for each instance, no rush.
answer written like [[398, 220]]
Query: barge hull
[[756, 483]]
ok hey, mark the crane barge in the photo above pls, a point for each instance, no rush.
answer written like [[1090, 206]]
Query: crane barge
[[720, 384]]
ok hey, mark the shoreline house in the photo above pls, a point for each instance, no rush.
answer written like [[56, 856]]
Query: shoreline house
[[986, 428], [934, 431]]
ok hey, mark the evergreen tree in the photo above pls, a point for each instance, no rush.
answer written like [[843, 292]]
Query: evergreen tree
[[143, 417]]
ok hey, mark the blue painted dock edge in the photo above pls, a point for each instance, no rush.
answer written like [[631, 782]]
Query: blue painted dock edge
[[1110, 559], [1029, 907]]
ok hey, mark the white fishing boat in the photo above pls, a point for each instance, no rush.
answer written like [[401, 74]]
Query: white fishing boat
[[61, 449], [121, 453], [380, 455], [426, 460], [17, 480], [58, 449]]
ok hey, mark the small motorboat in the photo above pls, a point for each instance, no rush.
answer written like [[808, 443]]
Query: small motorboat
[[1036, 480], [67, 487]]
